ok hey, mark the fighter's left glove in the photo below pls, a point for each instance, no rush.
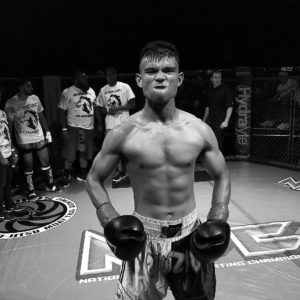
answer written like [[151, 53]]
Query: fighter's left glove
[[211, 239], [125, 236]]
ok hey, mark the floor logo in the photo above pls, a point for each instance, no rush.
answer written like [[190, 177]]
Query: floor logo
[[291, 183], [267, 239], [96, 261], [36, 217]]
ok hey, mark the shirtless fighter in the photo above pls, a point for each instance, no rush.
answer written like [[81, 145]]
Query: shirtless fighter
[[163, 244]]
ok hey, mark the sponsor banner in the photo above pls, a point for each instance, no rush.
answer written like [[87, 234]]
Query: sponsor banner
[[37, 217], [52, 90], [243, 112], [291, 183]]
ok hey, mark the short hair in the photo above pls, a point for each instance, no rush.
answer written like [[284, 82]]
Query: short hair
[[22, 80], [77, 74], [215, 71], [110, 69], [157, 50]]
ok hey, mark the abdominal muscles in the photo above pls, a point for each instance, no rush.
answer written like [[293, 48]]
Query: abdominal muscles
[[163, 192]]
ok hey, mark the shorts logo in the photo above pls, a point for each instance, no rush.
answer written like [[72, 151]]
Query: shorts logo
[[267, 239], [291, 183], [96, 261], [36, 217]]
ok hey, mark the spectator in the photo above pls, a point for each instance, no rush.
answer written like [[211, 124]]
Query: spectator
[[28, 126], [218, 108], [76, 114], [115, 100]]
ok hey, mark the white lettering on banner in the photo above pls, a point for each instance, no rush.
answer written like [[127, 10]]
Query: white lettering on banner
[[256, 261], [99, 279], [266, 239], [243, 122]]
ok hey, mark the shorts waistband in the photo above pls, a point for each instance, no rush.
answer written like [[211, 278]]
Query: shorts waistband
[[172, 229]]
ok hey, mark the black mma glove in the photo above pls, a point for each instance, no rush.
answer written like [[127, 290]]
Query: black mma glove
[[125, 236], [210, 240]]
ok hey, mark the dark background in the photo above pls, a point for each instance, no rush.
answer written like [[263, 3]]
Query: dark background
[[59, 37]]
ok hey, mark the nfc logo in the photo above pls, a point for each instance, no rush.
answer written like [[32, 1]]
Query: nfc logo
[[267, 238], [96, 258]]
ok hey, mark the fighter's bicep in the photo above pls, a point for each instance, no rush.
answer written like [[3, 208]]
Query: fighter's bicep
[[211, 155], [214, 162], [107, 159], [104, 164]]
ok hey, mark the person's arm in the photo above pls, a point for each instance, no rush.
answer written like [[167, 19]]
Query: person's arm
[[224, 124], [43, 122], [62, 116], [128, 106], [214, 162], [206, 114], [104, 163]]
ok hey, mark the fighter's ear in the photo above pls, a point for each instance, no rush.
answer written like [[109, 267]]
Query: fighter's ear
[[138, 79], [180, 78]]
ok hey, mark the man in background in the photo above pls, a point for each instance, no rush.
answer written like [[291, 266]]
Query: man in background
[[218, 107], [115, 100]]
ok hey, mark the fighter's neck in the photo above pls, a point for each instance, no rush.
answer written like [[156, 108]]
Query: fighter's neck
[[164, 113]]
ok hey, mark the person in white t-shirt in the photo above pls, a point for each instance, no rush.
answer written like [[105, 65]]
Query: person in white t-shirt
[[29, 127], [8, 159], [76, 113], [115, 100]]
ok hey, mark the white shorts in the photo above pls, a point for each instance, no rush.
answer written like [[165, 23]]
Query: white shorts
[[167, 262]]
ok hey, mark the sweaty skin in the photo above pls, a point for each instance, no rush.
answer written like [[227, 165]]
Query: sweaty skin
[[161, 144]]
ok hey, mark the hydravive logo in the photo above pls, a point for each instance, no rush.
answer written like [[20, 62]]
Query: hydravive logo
[[242, 130]]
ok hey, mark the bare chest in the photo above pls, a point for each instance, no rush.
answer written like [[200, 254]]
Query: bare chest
[[160, 146]]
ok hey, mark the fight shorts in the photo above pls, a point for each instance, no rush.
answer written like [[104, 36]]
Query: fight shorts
[[31, 147], [81, 140], [167, 262]]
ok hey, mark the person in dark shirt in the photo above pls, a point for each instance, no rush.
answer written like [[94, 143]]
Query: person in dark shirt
[[218, 107]]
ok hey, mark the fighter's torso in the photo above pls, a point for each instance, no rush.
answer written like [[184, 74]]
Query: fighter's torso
[[161, 160]]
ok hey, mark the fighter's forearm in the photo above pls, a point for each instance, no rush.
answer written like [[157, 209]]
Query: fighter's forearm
[[220, 199], [101, 200]]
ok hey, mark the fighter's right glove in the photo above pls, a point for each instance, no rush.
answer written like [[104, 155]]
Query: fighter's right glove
[[210, 240], [125, 236]]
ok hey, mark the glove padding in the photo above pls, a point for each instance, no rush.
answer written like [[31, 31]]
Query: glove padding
[[125, 236], [210, 240]]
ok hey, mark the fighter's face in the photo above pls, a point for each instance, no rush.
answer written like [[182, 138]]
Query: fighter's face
[[216, 79], [159, 79], [27, 88]]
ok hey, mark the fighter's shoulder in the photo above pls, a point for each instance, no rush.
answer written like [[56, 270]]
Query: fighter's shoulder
[[122, 130], [196, 123]]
